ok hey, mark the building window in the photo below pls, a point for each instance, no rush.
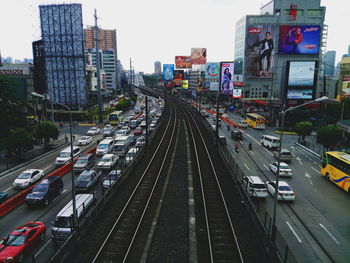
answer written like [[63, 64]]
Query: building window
[[264, 95], [300, 12], [315, 12]]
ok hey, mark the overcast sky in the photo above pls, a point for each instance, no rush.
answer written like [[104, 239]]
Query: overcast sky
[[150, 30]]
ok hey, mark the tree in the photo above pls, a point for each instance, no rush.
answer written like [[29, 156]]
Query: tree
[[46, 130], [303, 128], [329, 135], [18, 141]]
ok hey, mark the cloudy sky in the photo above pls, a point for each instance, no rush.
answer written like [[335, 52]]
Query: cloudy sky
[[150, 30]]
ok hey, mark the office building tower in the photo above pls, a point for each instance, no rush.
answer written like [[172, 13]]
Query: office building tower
[[107, 41], [329, 63], [62, 36], [157, 67]]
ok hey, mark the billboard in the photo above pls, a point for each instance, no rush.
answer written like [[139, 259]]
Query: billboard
[[260, 52], [237, 93], [301, 79], [178, 77], [198, 55], [183, 62], [212, 75], [301, 73], [185, 84], [299, 39], [226, 77], [168, 71]]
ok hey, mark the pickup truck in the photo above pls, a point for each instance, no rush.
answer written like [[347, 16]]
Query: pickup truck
[[87, 180]]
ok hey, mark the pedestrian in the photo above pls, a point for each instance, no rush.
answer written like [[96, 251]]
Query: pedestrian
[[66, 138], [236, 147]]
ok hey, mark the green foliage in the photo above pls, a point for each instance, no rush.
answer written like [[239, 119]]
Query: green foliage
[[303, 128], [335, 110], [18, 141], [123, 105], [92, 114], [329, 135], [46, 130]]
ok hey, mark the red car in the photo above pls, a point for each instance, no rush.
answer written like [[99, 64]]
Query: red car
[[138, 131], [21, 241]]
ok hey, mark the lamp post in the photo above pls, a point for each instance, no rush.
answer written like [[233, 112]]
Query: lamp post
[[273, 232], [36, 95]]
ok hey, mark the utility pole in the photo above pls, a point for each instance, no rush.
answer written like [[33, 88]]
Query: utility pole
[[99, 96], [130, 83]]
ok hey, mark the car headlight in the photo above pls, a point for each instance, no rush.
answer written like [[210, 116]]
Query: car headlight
[[8, 259]]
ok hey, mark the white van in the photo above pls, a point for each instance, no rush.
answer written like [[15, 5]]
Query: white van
[[63, 223], [254, 186], [121, 145], [65, 155], [104, 147], [270, 142]]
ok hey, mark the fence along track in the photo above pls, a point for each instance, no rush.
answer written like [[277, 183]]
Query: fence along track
[[222, 240], [118, 243]]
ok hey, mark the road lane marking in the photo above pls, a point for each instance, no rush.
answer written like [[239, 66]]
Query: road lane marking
[[266, 167], [8, 189], [295, 234], [246, 166], [41, 249], [315, 170], [298, 158], [46, 168], [315, 162], [252, 152], [329, 233], [309, 178]]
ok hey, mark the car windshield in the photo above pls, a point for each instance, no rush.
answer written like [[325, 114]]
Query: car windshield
[[41, 188], [131, 154], [284, 188], [102, 146], [14, 240], [62, 222], [119, 147], [84, 177], [24, 176], [93, 129], [64, 154], [111, 177], [284, 166], [106, 159], [258, 186], [120, 132], [82, 160], [84, 138]]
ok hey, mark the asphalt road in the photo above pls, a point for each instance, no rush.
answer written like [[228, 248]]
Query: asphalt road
[[320, 205]]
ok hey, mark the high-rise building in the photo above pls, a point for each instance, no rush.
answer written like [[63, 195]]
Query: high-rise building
[[157, 67], [329, 63], [107, 63], [107, 41], [62, 36], [287, 36]]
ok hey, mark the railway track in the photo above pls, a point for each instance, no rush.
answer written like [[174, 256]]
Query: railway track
[[222, 242], [123, 235]]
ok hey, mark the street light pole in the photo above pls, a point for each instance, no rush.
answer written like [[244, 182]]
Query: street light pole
[[273, 232], [36, 95]]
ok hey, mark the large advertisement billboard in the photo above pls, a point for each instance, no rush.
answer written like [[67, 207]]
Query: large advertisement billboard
[[168, 71], [226, 77], [183, 62], [301, 73], [178, 77], [212, 75], [301, 79], [198, 56], [299, 40], [260, 42]]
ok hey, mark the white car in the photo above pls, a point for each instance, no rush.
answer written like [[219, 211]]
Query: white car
[[28, 178], [107, 161], [121, 132], [93, 131], [284, 169], [131, 155], [84, 140], [152, 126], [285, 192]]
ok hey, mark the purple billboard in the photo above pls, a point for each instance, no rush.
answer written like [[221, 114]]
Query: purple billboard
[[299, 40]]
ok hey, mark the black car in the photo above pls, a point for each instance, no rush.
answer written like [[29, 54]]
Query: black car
[[84, 162], [46, 191], [236, 135]]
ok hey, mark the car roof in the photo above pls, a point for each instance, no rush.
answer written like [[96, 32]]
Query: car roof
[[50, 179], [68, 149], [255, 179], [106, 141], [108, 155], [87, 172], [285, 150], [31, 170], [282, 163]]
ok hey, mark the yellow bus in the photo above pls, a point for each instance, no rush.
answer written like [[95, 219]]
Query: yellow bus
[[336, 168], [255, 121], [115, 117]]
